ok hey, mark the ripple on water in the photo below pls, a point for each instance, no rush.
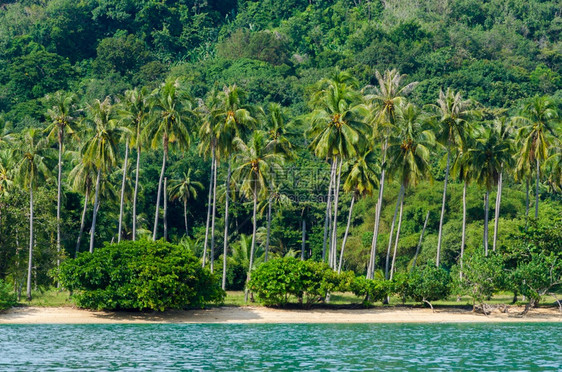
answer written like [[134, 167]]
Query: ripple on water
[[289, 347]]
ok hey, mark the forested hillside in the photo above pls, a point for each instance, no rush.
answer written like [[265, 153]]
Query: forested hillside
[[290, 69]]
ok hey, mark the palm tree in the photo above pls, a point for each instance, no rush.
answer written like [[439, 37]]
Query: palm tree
[[102, 148], [275, 198], [489, 154], [388, 94], [553, 166], [30, 170], [173, 113], [255, 163], [62, 114], [337, 131], [231, 118], [185, 189], [453, 117], [503, 129], [539, 119], [408, 159], [134, 113], [82, 175], [361, 180]]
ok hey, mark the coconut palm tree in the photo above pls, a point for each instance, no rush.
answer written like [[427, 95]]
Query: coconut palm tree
[[232, 119], [489, 154], [453, 120], [553, 166], [409, 162], [62, 114], [337, 131], [254, 167], [185, 189], [30, 170], [389, 93], [134, 112], [82, 176], [360, 180], [173, 113], [101, 150], [539, 120], [276, 198]]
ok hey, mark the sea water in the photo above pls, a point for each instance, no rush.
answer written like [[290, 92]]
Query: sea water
[[282, 347]]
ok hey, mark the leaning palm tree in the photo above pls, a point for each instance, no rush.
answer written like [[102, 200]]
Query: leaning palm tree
[[185, 189], [337, 130], [453, 114], [30, 170], [489, 154], [62, 114], [389, 93], [134, 113], [539, 120], [173, 114], [409, 162], [361, 180], [254, 165], [102, 148]]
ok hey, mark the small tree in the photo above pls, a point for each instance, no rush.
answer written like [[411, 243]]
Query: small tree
[[429, 283]]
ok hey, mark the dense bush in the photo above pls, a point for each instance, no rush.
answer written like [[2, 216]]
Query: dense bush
[[140, 275], [278, 281], [481, 276], [7, 297], [371, 290], [429, 283]]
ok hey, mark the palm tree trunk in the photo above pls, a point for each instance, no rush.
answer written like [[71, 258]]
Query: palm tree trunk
[[440, 237], [386, 267], [82, 222], [59, 189], [209, 206], [252, 249], [328, 219], [346, 231], [268, 230], [185, 216], [486, 207], [225, 242], [30, 263], [333, 247], [497, 210], [463, 238], [136, 194], [160, 181], [420, 242], [397, 236], [213, 216], [378, 210], [303, 238], [537, 190], [95, 214], [123, 192], [527, 204], [165, 196]]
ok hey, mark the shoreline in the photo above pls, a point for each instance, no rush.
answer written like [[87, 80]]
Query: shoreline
[[264, 315]]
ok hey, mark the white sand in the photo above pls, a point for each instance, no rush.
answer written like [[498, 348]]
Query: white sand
[[69, 315]]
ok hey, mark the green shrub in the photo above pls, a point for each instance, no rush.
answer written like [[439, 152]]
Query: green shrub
[[277, 281], [140, 275], [429, 283], [481, 276], [372, 290], [7, 296]]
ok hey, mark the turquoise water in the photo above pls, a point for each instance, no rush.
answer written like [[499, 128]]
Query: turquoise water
[[289, 347]]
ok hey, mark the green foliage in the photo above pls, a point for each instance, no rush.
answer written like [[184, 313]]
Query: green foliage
[[140, 275], [7, 295], [481, 277], [429, 283], [278, 281], [372, 290]]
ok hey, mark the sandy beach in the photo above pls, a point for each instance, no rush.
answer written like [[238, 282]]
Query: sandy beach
[[248, 314]]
